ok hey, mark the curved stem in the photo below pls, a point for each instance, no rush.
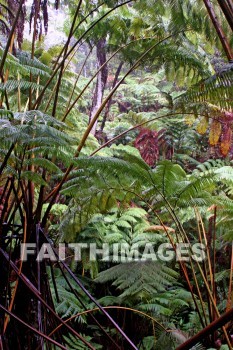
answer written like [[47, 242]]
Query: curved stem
[[109, 307]]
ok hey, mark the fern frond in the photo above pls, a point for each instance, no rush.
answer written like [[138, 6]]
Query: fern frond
[[43, 163], [217, 90], [36, 116], [25, 59], [139, 279], [12, 85]]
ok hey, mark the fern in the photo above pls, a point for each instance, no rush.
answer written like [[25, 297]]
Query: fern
[[73, 343], [217, 89], [37, 137], [139, 279], [12, 85], [164, 187], [36, 116], [68, 304], [34, 63], [23, 64], [169, 303]]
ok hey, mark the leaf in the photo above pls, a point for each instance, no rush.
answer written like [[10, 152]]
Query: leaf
[[215, 132], [202, 126], [217, 90], [226, 141], [123, 223], [189, 120], [139, 279]]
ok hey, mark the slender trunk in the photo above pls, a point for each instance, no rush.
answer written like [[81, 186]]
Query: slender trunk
[[219, 29], [110, 100], [101, 81]]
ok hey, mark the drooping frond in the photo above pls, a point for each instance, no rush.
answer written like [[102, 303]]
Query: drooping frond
[[216, 90], [23, 64], [28, 62], [36, 139], [12, 85], [168, 303]]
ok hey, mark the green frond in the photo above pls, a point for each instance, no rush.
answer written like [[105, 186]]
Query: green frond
[[222, 275], [139, 279], [197, 188], [6, 113], [166, 176], [43, 163], [68, 303], [12, 85], [217, 90], [167, 341], [136, 213], [36, 116], [185, 59], [13, 63], [34, 63], [209, 167], [105, 172], [34, 177], [225, 174], [168, 303], [24, 65]]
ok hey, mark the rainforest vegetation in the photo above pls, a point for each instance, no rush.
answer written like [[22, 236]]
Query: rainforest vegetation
[[119, 135]]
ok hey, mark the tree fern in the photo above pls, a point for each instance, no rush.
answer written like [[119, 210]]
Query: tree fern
[[40, 68], [167, 183]]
